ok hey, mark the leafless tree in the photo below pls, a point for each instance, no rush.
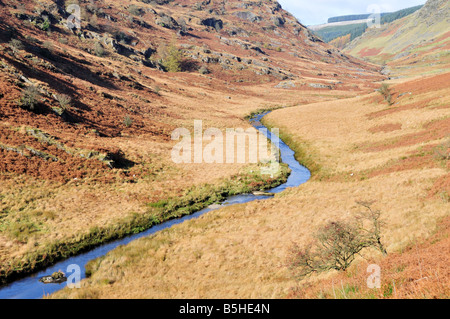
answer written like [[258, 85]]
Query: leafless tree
[[337, 244]]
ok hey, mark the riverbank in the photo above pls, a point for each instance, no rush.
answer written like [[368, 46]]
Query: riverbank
[[194, 200]]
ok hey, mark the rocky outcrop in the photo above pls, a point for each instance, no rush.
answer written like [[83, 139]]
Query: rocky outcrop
[[320, 86], [247, 15], [213, 22], [167, 22]]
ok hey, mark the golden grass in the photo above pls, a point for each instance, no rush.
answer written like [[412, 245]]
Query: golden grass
[[240, 251], [81, 204]]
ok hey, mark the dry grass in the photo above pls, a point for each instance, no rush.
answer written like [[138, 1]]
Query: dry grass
[[240, 251], [79, 197], [420, 271]]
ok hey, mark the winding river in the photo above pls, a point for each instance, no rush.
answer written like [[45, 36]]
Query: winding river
[[31, 288]]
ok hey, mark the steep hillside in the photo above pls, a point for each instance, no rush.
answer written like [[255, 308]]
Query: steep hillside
[[339, 31], [421, 35], [87, 114]]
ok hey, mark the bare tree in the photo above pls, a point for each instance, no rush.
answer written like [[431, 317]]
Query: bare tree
[[30, 97], [337, 244], [64, 100], [373, 233]]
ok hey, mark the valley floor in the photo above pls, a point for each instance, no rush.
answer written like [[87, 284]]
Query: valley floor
[[362, 149]]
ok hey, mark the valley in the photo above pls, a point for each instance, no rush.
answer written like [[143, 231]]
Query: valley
[[88, 160]]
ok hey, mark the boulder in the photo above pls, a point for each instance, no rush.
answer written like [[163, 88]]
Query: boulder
[[56, 278], [214, 23], [247, 15]]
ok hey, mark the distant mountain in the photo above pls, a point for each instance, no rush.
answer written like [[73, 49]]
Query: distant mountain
[[351, 17], [425, 30], [341, 30]]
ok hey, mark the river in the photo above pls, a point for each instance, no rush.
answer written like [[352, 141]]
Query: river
[[30, 287]]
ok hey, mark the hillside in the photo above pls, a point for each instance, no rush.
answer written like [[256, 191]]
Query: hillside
[[419, 36], [86, 124], [339, 31], [87, 114]]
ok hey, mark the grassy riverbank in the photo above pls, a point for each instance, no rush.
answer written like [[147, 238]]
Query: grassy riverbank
[[304, 152], [194, 200]]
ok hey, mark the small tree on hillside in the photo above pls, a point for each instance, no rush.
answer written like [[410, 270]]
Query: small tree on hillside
[[127, 121], [373, 230], [99, 50], [442, 152], [337, 244], [30, 98], [64, 100], [16, 45], [170, 57], [386, 92]]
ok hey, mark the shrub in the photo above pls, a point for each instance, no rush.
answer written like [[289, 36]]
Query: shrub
[[337, 244], [204, 70], [134, 10], [48, 45], [385, 91], [183, 25], [99, 50], [45, 26], [93, 21], [64, 100], [442, 152], [30, 97], [16, 45], [127, 121], [170, 58]]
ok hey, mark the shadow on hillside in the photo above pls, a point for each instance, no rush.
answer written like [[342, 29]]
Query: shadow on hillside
[[53, 82], [64, 64], [72, 66], [188, 34], [189, 65], [120, 161]]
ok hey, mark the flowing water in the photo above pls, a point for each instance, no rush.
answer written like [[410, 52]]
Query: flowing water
[[31, 288]]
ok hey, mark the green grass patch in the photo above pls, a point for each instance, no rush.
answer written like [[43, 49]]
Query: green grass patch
[[262, 110]]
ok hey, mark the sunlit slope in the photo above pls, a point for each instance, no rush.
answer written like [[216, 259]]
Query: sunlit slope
[[428, 29]]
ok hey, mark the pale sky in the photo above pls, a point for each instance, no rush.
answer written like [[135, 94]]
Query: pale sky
[[312, 12]]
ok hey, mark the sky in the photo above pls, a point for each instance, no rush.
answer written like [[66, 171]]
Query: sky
[[312, 12]]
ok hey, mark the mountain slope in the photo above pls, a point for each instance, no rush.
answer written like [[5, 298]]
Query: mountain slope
[[340, 31], [422, 32]]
